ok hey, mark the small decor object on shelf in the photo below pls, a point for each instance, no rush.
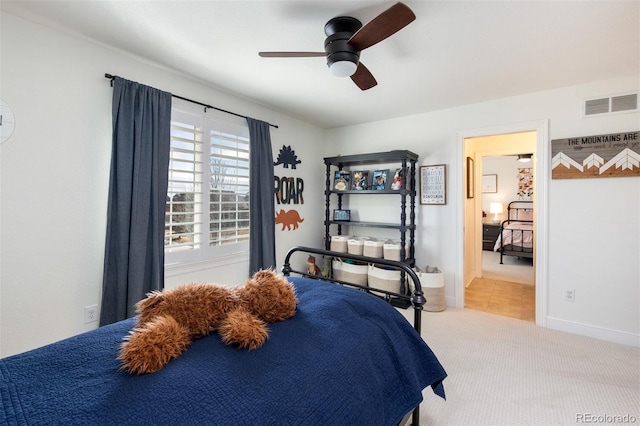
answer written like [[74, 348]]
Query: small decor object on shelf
[[313, 268], [341, 215], [380, 180], [341, 180], [398, 179], [360, 180]]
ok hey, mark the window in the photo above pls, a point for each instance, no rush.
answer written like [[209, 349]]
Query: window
[[207, 211]]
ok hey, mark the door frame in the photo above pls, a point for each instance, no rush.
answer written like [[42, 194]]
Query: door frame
[[541, 195]]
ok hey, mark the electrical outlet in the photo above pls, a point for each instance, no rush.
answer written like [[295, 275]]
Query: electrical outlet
[[90, 314], [570, 295]]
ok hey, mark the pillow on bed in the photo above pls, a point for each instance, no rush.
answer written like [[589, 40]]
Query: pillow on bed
[[525, 214]]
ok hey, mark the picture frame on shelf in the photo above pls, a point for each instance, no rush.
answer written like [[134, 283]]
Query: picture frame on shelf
[[433, 184], [341, 180], [341, 215], [489, 184], [399, 180], [380, 180], [360, 180]]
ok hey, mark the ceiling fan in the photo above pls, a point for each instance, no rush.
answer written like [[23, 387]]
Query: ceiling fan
[[346, 38]]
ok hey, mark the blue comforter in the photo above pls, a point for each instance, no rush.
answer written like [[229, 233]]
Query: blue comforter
[[346, 357]]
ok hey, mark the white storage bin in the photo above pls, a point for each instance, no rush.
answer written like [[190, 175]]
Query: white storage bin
[[372, 248], [391, 250], [355, 246], [339, 243], [432, 281], [383, 279], [350, 272]]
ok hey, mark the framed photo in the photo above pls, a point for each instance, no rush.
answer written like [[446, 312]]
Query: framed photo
[[341, 180], [360, 180], [489, 183], [433, 184], [341, 215], [380, 180], [399, 179], [471, 172]]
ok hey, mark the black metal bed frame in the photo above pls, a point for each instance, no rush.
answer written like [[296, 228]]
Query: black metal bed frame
[[404, 299], [512, 249]]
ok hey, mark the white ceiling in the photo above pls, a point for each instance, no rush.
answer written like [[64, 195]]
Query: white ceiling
[[454, 53]]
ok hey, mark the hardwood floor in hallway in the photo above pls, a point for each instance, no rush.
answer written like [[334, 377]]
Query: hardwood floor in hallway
[[501, 298]]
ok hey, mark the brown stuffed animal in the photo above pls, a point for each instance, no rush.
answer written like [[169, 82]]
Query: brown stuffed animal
[[170, 320]]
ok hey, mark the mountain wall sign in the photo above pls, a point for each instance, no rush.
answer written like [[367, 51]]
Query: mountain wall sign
[[610, 155]]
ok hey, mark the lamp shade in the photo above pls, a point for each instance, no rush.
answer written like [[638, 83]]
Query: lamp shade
[[495, 208]]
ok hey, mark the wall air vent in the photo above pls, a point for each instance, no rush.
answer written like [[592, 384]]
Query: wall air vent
[[610, 105], [624, 103]]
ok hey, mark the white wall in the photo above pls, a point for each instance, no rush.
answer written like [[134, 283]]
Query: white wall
[[505, 168], [591, 248], [55, 173]]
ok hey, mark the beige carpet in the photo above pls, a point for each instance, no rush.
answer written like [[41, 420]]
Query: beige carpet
[[513, 269], [505, 371]]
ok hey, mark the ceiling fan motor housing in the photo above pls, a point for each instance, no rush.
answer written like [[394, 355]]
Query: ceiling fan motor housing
[[339, 31]]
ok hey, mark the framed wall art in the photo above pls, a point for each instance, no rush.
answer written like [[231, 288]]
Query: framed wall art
[[489, 184], [471, 172], [433, 184]]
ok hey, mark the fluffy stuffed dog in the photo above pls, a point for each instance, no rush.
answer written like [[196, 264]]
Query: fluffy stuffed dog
[[170, 320]]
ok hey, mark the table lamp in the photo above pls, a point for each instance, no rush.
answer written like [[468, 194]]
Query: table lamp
[[496, 209]]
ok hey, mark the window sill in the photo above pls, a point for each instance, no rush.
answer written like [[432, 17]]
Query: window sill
[[181, 268]]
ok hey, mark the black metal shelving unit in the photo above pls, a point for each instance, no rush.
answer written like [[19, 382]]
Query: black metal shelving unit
[[406, 225]]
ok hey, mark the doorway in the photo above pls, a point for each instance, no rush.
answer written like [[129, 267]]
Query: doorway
[[506, 285], [507, 141]]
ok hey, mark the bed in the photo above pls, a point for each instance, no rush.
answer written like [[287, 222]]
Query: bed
[[516, 233], [346, 357]]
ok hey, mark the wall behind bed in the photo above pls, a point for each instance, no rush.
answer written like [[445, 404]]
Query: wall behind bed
[[55, 172], [592, 224]]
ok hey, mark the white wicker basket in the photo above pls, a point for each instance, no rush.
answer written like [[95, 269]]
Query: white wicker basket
[[339, 243], [355, 246], [350, 272], [391, 250], [432, 281], [383, 279], [372, 248]]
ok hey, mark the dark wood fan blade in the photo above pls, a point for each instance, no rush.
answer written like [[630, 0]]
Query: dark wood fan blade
[[382, 26], [363, 77], [291, 54]]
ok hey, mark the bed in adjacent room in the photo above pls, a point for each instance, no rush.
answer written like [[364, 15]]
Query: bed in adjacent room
[[346, 357], [516, 233]]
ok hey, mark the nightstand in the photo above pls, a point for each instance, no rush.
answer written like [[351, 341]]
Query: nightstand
[[490, 233]]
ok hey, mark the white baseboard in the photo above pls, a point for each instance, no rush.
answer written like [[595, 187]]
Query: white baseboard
[[450, 301], [601, 333]]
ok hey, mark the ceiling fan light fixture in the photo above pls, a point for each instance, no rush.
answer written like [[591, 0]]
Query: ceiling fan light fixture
[[524, 158], [343, 68]]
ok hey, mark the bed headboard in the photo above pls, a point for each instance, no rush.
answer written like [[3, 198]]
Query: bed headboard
[[414, 298], [520, 210]]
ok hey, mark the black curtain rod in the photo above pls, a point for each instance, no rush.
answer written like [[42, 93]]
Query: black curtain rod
[[111, 77]]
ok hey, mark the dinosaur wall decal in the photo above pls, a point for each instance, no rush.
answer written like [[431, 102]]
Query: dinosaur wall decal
[[287, 157]]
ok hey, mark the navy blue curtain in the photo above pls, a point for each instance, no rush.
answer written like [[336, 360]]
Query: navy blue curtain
[[262, 238], [134, 252]]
